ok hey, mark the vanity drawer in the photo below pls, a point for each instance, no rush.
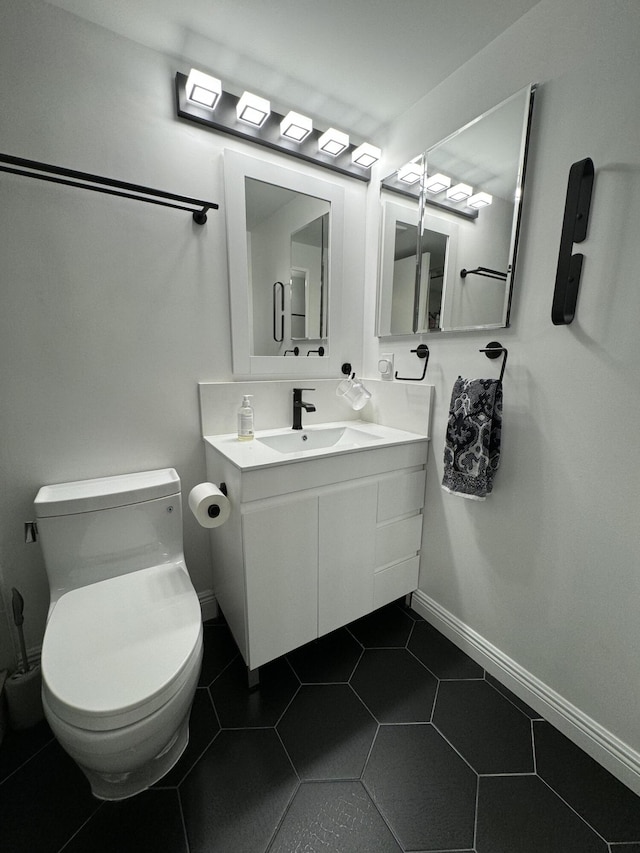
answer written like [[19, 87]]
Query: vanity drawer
[[398, 540], [395, 581], [401, 494]]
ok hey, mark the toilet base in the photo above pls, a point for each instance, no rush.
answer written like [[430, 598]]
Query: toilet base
[[120, 786]]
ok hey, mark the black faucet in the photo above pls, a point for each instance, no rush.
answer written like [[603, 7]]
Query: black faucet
[[299, 405]]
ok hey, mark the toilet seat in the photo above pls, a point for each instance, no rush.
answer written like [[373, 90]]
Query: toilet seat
[[117, 650]]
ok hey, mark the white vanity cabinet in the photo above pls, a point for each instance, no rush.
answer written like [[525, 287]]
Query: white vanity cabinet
[[313, 544]]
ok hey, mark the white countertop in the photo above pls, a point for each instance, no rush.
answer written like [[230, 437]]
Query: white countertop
[[248, 455]]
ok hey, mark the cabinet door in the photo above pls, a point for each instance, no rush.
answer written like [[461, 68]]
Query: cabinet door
[[281, 565], [346, 555]]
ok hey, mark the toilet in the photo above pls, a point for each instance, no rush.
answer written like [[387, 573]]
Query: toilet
[[122, 647]]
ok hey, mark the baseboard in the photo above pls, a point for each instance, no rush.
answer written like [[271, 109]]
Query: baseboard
[[608, 750], [208, 604]]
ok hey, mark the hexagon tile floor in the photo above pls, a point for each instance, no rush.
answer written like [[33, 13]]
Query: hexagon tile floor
[[382, 737]]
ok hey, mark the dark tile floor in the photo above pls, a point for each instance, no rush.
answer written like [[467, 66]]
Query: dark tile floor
[[382, 737]]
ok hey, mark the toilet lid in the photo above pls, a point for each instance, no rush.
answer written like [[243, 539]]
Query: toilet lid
[[117, 650]]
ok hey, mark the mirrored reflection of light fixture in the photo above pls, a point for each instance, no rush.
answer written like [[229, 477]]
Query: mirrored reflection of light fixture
[[480, 200], [203, 89], [410, 173], [437, 183], [295, 126], [253, 109], [366, 155], [459, 192], [333, 142]]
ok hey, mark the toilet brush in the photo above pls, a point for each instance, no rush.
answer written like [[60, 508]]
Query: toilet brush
[[24, 702], [17, 603]]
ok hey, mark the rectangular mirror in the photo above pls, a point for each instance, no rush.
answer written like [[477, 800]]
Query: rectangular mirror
[[486, 162], [285, 243]]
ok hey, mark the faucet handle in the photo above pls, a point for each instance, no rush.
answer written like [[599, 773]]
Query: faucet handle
[[303, 389]]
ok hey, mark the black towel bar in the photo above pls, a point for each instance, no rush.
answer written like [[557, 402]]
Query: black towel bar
[[486, 272], [109, 186]]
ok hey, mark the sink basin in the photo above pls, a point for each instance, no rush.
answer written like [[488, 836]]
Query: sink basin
[[318, 438]]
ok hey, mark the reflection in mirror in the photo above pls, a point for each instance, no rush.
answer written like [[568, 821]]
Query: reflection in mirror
[[404, 308], [287, 236], [309, 248], [488, 158]]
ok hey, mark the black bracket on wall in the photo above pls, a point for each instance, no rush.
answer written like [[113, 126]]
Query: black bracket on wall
[[574, 230], [422, 351], [494, 349]]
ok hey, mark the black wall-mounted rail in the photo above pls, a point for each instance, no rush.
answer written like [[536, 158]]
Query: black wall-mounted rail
[[109, 186], [422, 351], [486, 272], [494, 349], [574, 230]]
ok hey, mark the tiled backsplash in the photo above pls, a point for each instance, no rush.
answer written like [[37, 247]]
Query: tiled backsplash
[[403, 406]]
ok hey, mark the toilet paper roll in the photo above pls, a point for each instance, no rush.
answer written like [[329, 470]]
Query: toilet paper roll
[[209, 505]]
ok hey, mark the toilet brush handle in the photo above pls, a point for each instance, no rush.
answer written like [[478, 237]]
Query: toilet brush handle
[[17, 604]]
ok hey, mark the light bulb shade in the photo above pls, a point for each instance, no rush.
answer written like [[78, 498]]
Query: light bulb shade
[[295, 126], [366, 155], [480, 200], [203, 89], [437, 183], [333, 142], [253, 109], [459, 193], [410, 173]]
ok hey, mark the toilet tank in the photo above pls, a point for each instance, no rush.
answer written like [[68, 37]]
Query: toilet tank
[[91, 530]]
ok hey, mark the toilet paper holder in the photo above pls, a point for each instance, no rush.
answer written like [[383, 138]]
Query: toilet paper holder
[[214, 511]]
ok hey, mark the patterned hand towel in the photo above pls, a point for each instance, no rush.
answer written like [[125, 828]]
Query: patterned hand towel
[[472, 444]]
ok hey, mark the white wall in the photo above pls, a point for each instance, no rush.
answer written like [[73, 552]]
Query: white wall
[[112, 311], [547, 569]]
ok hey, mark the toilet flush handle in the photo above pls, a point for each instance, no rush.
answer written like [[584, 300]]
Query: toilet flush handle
[[30, 532]]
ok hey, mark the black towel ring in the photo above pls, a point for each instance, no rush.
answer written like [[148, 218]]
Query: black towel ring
[[494, 349], [422, 351]]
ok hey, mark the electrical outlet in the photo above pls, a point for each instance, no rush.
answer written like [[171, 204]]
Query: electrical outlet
[[385, 365]]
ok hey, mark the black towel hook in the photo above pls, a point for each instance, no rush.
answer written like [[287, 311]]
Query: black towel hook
[[422, 351], [494, 349]]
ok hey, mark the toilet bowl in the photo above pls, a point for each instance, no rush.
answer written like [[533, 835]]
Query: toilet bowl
[[122, 647]]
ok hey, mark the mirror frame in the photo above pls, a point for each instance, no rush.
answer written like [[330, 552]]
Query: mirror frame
[[238, 167]]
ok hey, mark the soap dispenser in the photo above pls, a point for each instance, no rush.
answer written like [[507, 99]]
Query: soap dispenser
[[245, 419]]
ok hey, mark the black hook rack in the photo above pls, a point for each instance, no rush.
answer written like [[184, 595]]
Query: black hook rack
[[346, 368], [494, 349], [109, 186], [422, 351], [295, 351], [486, 272], [574, 230], [320, 351]]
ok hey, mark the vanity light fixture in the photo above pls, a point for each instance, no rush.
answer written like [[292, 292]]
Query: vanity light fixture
[[253, 109], [333, 142], [203, 89], [437, 183], [295, 126], [459, 192], [366, 155], [480, 200], [410, 173], [201, 99]]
